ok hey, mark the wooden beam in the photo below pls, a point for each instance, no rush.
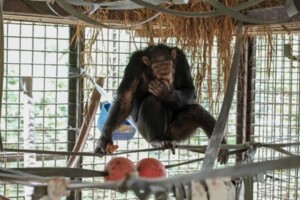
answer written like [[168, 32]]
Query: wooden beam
[[32, 7], [38, 11], [273, 13], [35, 11], [62, 171]]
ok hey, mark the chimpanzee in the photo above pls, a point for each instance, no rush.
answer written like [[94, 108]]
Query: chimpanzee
[[158, 91]]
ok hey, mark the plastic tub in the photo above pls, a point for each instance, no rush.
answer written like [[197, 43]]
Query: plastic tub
[[125, 132]]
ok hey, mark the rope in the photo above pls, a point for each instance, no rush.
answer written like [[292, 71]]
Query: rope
[[195, 148]]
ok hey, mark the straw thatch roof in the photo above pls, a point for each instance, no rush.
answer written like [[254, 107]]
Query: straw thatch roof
[[196, 36]]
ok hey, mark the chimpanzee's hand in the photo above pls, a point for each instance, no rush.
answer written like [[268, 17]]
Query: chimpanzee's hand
[[166, 75], [102, 143], [160, 88]]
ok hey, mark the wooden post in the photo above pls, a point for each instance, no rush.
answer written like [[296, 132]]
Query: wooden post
[[87, 123], [1, 65], [249, 129]]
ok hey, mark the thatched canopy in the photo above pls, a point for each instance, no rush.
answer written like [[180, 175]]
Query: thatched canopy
[[198, 36]]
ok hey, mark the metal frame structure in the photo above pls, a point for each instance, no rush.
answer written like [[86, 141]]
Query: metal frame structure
[[267, 93]]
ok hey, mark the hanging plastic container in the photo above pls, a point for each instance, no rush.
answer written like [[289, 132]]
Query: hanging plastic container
[[125, 132]]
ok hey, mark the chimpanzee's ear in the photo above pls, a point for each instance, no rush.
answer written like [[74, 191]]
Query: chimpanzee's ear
[[145, 60], [173, 54]]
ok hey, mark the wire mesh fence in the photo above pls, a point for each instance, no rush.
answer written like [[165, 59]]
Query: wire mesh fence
[[42, 51], [109, 56], [275, 112], [39, 51]]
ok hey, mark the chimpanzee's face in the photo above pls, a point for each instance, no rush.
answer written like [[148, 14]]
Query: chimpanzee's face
[[162, 68]]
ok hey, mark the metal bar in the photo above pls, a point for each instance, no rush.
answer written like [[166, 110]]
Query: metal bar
[[61, 171], [31, 7], [248, 181], [1, 65], [241, 106], [250, 87], [73, 92], [217, 135], [235, 171]]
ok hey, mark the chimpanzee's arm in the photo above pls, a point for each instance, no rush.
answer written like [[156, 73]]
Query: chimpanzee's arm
[[183, 92], [122, 105]]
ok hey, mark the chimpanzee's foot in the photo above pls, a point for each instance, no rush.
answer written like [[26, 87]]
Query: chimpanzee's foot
[[223, 156], [168, 144]]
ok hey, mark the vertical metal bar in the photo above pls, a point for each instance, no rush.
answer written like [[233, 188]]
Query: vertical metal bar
[[1, 65], [241, 100], [249, 98], [297, 125], [74, 95], [44, 83], [250, 86]]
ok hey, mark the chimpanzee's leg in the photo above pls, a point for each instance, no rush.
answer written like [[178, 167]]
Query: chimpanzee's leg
[[153, 119], [188, 120]]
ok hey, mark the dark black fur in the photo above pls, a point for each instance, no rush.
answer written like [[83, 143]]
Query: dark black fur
[[173, 117]]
